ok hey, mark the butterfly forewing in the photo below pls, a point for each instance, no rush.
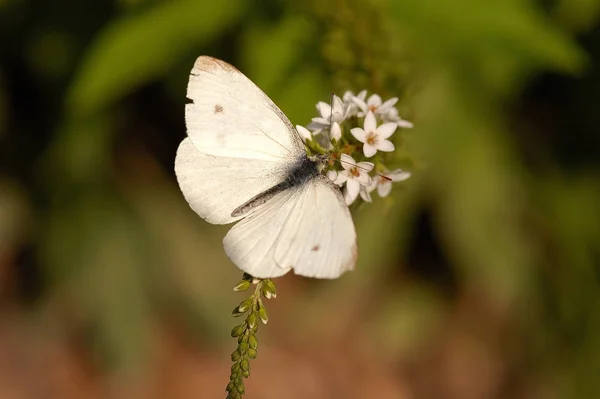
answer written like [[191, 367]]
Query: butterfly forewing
[[230, 116]]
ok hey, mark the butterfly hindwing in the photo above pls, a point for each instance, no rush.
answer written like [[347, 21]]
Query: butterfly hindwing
[[307, 228]]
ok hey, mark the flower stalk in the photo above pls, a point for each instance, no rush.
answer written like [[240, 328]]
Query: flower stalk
[[255, 311]]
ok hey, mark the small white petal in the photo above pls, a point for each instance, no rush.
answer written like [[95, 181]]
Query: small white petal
[[336, 131], [404, 124], [398, 175], [351, 191], [324, 109], [384, 188], [321, 121], [332, 175], [369, 150], [385, 146], [387, 106], [305, 134], [359, 134], [370, 123], [347, 161], [366, 166], [315, 127], [338, 105], [342, 177], [363, 178], [386, 130], [374, 101], [365, 194], [360, 103], [362, 95], [347, 97]]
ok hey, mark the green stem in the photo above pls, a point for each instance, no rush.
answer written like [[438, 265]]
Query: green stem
[[245, 333]]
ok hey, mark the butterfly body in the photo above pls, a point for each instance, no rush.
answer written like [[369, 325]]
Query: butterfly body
[[298, 175]]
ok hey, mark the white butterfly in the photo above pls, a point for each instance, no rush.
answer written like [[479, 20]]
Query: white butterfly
[[243, 160]]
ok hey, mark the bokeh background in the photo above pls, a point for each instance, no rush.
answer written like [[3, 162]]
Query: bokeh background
[[478, 278]]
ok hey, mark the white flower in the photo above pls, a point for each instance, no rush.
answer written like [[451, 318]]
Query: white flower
[[374, 138], [375, 105], [383, 182], [351, 107], [329, 114], [354, 175], [365, 192], [305, 134], [392, 116]]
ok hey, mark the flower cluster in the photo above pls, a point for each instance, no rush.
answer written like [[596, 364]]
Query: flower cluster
[[345, 127]]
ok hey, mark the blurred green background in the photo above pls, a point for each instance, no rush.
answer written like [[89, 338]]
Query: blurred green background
[[478, 278]]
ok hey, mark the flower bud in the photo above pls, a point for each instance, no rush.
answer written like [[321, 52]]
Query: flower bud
[[238, 330], [262, 314], [245, 365], [244, 306], [242, 285], [251, 320], [252, 341], [252, 353]]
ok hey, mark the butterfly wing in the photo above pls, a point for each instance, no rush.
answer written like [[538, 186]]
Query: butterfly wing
[[215, 185], [230, 116], [307, 228], [239, 143]]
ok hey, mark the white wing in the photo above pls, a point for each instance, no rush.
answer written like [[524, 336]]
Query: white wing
[[230, 116], [239, 143], [307, 228], [215, 186]]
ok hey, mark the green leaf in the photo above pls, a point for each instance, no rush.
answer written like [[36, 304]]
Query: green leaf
[[483, 30], [136, 49]]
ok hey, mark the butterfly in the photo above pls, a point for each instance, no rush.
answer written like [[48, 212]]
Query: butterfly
[[244, 161]]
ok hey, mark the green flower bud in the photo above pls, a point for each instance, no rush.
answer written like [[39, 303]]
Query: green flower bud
[[236, 312], [236, 355], [264, 317], [244, 365], [243, 348], [238, 330], [244, 306], [235, 367], [253, 341], [246, 373], [251, 320], [241, 389], [270, 285], [242, 285], [266, 292], [252, 353], [230, 387]]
